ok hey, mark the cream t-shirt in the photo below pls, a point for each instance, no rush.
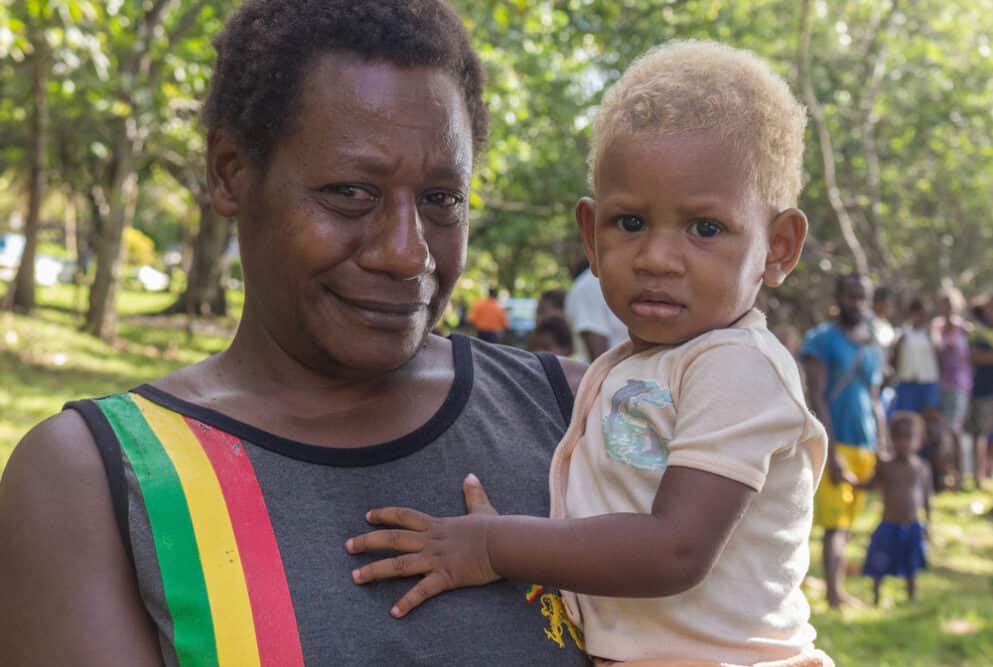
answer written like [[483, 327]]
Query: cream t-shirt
[[729, 402]]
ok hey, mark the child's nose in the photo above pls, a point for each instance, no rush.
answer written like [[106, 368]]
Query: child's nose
[[661, 253]]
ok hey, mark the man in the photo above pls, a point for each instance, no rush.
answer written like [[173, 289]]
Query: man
[[981, 408], [595, 328], [201, 519], [489, 318], [844, 370]]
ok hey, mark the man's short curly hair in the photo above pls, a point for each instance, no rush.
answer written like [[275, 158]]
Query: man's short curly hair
[[266, 45], [684, 86]]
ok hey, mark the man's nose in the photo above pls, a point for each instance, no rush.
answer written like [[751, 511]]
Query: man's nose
[[395, 243]]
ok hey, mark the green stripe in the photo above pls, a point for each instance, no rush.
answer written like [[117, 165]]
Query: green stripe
[[172, 531]]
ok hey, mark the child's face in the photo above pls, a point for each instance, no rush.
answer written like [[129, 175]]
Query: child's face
[[906, 439], [679, 239]]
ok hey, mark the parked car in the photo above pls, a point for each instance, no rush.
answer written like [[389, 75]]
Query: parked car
[[48, 270]]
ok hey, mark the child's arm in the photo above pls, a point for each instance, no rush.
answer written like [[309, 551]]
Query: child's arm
[[927, 482], [632, 555], [871, 483]]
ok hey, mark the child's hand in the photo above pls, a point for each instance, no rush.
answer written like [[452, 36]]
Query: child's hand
[[449, 552], [836, 469]]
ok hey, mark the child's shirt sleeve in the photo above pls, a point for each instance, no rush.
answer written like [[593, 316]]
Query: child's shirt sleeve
[[734, 411]]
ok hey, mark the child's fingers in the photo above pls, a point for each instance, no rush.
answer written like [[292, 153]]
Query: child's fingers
[[406, 541], [404, 517], [426, 588], [406, 565]]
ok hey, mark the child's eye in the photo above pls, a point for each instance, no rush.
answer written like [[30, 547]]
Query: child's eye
[[630, 223], [705, 228]]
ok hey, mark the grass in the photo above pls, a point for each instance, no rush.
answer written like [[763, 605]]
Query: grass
[[951, 622], [45, 361]]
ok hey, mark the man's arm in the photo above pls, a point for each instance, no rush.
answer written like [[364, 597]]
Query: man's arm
[[980, 355], [882, 429], [69, 591], [816, 375], [573, 369], [927, 484], [594, 342]]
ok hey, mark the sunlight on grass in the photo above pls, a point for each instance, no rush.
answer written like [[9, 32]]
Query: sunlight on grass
[[45, 361], [948, 625]]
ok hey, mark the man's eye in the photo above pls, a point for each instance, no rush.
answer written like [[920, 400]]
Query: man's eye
[[444, 199], [630, 223], [353, 192], [705, 228]]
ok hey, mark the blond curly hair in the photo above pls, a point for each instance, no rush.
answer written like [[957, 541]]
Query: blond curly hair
[[684, 86]]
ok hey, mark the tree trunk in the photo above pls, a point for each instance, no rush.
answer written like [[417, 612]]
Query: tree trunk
[[20, 296], [143, 73], [101, 316], [204, 294]]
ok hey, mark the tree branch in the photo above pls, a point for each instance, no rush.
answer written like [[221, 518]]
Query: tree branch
[[842, 216]]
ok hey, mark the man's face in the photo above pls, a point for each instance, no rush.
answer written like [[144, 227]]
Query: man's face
[[354, 237], [852, 302]]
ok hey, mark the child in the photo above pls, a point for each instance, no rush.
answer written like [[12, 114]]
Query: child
[[551, 334], [682, 492], [897, 545], [938, 450]]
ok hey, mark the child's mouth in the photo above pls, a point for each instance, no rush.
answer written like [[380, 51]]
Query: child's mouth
[[660, 310]]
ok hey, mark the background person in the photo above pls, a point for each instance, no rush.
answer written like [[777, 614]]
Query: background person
[[200, 519], [951, 337], [897, 545], [844, 370], [551, 334], [595, 328], [915, 363], [981, 407], [489, 318]]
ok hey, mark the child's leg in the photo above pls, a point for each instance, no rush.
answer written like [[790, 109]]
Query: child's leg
[[875, 590], [911, 587]]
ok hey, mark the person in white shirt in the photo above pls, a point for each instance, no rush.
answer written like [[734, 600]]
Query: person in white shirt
[[915, 363], [595, 328]]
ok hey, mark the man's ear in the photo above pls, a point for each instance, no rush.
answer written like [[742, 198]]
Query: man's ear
[[586, 219], [787, 233], [228, 172]]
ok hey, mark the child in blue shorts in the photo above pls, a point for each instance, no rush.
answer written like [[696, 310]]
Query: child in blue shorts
[[897, 545]]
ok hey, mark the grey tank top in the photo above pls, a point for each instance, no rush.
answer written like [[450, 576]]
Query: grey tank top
[[505, 412]]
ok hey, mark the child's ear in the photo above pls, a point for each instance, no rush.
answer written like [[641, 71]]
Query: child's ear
[[228, 172], [586, 219], [787, 232]]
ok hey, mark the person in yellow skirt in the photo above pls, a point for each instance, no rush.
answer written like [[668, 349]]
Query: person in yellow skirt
[[844, 371]]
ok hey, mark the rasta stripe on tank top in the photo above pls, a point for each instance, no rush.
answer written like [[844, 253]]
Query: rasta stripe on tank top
[[221, 569]]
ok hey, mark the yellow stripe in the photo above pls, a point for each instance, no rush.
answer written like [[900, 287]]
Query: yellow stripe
[[230, 608]]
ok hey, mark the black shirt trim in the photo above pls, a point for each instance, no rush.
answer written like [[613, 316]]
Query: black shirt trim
[[344, 457], [113, 464], [560, 386]]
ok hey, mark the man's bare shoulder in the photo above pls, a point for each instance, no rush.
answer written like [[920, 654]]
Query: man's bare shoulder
[[65, 569], [60, 445]]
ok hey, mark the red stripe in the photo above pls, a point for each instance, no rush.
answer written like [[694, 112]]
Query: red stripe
[[272, 607]]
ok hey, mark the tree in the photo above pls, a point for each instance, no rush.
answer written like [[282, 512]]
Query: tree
[[20, 295]]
